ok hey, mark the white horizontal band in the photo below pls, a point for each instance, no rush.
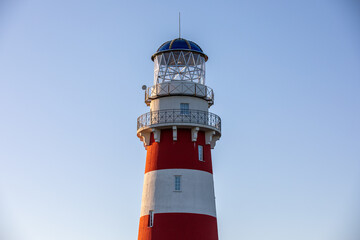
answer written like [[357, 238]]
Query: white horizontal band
[[196, 195]]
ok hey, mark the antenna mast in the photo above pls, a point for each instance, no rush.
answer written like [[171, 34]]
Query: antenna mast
[[179, 27]]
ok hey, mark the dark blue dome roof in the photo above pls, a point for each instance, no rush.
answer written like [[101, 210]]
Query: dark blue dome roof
[[179, 44]]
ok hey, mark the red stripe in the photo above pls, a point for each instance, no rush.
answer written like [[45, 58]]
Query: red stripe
[[178, 226], [182, 153]]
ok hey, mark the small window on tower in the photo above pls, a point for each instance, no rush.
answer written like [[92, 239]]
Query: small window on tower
[[184, 108], [177, 183], [201, 152], [151, 218]]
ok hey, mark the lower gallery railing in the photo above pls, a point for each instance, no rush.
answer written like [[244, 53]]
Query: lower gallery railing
[[179, 116]]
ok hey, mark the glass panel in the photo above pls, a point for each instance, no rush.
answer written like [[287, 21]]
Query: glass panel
[[151, 218], [201, 153], [191, 61], [198, 59], [184, 108], [181, 59], [171, 60], [177, 183], [166, 57], [186, 56]]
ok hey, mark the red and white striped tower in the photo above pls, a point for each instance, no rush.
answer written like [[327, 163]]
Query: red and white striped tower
[[178, 200]]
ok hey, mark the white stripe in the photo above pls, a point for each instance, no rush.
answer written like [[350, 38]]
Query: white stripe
[[196, 195]]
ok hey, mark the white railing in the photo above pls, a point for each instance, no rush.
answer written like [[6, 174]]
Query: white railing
[[176, 88], [174, 116]]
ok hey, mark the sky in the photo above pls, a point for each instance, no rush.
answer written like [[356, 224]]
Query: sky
[[286, 77]]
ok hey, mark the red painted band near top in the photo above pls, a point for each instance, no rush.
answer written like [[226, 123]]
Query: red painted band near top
[[183, 153]]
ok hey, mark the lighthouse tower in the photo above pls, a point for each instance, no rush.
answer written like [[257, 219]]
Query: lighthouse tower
[[178, 200]]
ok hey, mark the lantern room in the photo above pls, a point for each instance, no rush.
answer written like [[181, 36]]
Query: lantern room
[[179, 60]]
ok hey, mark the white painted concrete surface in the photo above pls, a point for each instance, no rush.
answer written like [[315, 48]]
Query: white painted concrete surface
[[173, 102], [196, 195]]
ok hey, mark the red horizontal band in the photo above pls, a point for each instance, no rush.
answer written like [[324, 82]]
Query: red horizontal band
[[178, 226], [182, 153]]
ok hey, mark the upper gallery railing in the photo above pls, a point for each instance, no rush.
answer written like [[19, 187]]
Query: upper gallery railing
[[173, 116], [179, 88]]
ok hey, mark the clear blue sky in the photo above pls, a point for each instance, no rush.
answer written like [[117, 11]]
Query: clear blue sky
[[286, 76]]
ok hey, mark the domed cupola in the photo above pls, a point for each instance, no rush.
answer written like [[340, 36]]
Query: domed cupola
[[179, 44]]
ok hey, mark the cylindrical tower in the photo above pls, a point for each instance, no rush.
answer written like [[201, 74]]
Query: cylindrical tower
[[178, 200]]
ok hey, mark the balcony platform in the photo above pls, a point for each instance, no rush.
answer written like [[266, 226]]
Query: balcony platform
[[195, 120], [176, 117]]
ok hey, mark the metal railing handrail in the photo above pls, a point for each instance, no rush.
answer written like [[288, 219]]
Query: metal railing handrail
[[185, 88], [173, 116]]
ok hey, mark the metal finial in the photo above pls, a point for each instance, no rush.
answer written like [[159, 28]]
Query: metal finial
[[179, 26]]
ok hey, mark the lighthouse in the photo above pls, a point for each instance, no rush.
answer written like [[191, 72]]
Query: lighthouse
[[178, 200]]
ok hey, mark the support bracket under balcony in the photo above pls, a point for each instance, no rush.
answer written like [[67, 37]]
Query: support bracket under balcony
[[157, 133], [194, 133]]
